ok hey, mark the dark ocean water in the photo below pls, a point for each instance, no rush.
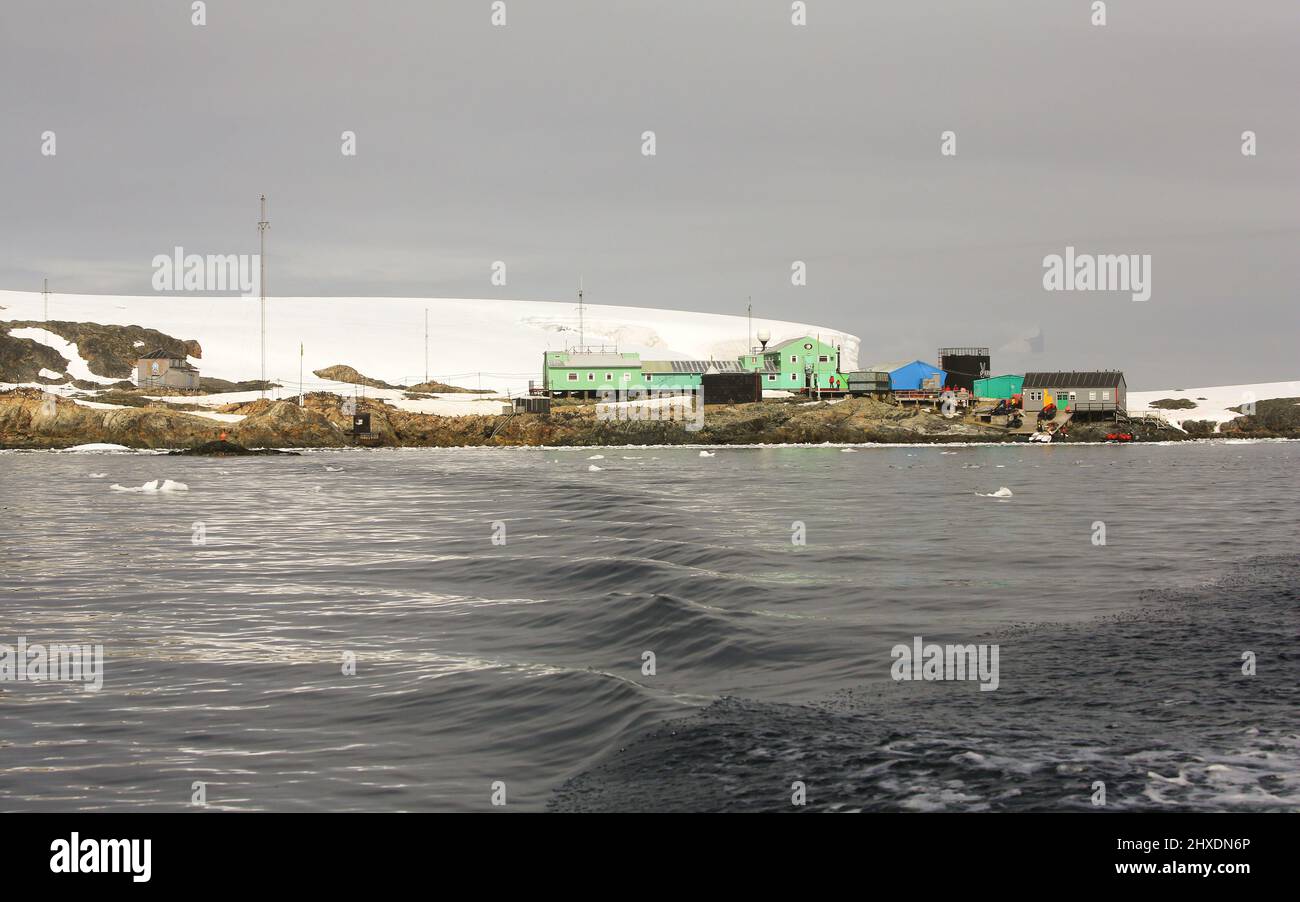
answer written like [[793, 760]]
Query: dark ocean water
[[522, 662]]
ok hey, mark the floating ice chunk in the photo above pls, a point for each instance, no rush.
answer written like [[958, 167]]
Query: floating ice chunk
[[594, 469], [98, 475], [848, 450], [98, 446], [148, 488], [706, 454], [333, 469], [596, 457], [1003, 492], [152, 487]]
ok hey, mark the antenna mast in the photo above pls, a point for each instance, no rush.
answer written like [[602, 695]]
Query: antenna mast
[[262, 226], [749, 314], [582, 341], [426, 344]]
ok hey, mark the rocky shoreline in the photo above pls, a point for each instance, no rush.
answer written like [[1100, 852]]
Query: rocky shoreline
[[30, 419]]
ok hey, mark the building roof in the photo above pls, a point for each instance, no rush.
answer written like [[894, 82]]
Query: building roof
[[1086, 379], [610, 360], [696, 367], [160, 354], [895, 366], [802, 338]]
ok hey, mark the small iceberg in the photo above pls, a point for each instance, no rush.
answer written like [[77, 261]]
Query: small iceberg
[[152, 487], [706, 454], [98, 475], [98, 446], [1003, 492], [848, 450], [594, 469], [333, 469], [596, 457]]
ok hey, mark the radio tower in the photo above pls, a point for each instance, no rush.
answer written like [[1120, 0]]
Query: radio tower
[[581, 331], [262, 226]]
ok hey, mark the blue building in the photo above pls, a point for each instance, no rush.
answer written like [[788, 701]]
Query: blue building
[[914, 376]]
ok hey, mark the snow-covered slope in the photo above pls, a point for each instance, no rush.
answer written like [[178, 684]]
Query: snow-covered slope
[[500, 342], [1212, 403]]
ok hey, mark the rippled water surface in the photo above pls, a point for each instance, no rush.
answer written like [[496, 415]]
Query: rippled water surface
[[522, 662]]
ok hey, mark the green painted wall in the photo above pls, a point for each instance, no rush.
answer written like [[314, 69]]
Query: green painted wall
[[999, 386], [793, 359], [671, 380], [556, 373]]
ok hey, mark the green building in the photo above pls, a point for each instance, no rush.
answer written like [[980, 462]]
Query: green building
[[793, 365], [582, 373], [1001, 387], [669, 374], [800, 363], [690, 373]]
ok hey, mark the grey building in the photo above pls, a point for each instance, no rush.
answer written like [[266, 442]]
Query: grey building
[[1098, 391], [162, 370]]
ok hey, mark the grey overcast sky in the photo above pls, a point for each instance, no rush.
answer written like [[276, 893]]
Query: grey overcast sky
[[775, 143]]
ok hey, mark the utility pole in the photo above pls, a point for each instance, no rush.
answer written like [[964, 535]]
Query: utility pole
[[426, 344], [300, 397], [581, 330], [262, 226]]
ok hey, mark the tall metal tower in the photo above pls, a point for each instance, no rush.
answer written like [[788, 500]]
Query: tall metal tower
[[426, 344], [262, 226], [582, 341]]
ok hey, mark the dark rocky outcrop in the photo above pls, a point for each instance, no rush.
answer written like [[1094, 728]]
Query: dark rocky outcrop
[[222, 448], [341, 372], [1277, 418], [109, 351], [1174, 404]]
